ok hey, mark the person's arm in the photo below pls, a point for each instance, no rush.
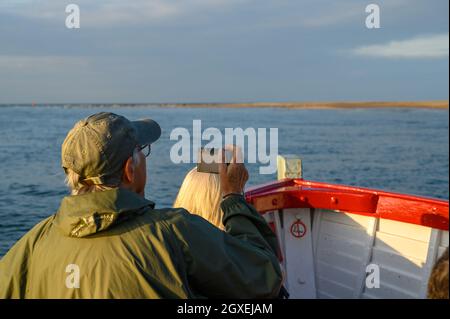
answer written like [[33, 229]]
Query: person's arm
[[13, 271], [240, 262], [14, 265], [250, 213]]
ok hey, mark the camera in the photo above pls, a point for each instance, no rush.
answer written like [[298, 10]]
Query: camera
[[209, 160]]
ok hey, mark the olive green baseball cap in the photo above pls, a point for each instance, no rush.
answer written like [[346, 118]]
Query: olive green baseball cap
[[97, 147]]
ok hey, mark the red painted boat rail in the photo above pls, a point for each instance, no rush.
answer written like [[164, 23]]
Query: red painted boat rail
[[300, 193]]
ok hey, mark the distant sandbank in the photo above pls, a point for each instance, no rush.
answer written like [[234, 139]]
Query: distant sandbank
[[320, 105], [286, 105]]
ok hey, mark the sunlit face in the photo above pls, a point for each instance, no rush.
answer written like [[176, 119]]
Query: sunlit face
[[140, 176]]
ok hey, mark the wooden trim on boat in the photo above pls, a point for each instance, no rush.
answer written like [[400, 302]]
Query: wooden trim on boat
[[300, 193]]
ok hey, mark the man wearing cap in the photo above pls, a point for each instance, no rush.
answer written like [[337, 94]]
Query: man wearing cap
[[108, 241]]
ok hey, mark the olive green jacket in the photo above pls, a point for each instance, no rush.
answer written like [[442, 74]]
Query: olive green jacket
[[114, 244]]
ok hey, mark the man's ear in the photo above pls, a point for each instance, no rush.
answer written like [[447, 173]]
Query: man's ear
[[128, 172]]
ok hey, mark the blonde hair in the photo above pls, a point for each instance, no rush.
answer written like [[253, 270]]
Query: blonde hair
[[79, 186], [200, 194]]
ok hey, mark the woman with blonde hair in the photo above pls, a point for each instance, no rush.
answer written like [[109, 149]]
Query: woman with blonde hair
[[201, 194]]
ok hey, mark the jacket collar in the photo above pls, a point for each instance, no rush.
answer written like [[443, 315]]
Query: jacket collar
[[87, 214]]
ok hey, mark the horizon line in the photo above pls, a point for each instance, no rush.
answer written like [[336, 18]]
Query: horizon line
[[435, 104]]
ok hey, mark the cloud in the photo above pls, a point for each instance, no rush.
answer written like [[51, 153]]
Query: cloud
[[334, 14], [275, 13], [431, 46], [118, 12], [327, 13], [38, 63]]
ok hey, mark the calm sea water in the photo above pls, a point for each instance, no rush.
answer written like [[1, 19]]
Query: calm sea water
[[403, 150]]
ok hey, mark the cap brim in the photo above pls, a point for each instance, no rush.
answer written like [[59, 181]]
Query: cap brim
[[148, 131]]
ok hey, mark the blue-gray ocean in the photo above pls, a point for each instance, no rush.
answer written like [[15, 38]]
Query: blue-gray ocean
[[402, 150]]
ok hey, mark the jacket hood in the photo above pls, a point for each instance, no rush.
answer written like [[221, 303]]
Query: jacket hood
[[87, 214]]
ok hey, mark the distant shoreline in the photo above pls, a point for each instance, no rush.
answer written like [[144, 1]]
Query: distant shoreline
[[286, 105], [322, 105]]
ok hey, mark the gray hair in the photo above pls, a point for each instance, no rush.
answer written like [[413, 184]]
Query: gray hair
[[78, 186]]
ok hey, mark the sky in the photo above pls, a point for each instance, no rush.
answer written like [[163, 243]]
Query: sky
[[187, 51]]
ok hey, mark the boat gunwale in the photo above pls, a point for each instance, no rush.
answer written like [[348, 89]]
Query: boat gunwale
[[301, 193]]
